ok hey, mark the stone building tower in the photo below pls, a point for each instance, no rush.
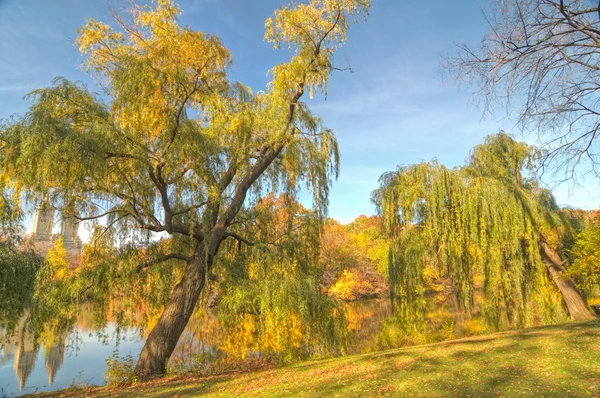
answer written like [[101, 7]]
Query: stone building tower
[[69, 230], [43, 221], [42, 237]]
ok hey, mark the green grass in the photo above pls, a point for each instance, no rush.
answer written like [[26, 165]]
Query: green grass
[[557, 361]]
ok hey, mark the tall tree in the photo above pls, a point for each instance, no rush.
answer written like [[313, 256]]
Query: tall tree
[[170, 145], [489, 218], [543, 58]]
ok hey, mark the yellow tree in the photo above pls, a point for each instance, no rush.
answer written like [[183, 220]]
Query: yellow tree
[[57, 260], [170, 145]]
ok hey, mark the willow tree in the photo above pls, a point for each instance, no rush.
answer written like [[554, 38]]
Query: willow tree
[[17, 278], [272, 301], [490, 218], [170, 145], [18, 268]]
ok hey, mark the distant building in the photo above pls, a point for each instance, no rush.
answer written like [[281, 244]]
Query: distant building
[[43, 221], [41, 240], [69, 229]]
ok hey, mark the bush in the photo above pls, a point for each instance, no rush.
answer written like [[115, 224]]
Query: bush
[[213, 363], [352, 285], [119, 371]]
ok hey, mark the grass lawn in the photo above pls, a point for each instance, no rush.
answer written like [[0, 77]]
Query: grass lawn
[[557, 361]]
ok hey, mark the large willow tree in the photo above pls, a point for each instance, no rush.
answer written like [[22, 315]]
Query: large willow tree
[[490, 218], [170, 145]]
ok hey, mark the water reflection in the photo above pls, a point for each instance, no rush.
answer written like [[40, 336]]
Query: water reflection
[[55, 356], [21, 349], [59, 360], [81, 355], [24, 359]]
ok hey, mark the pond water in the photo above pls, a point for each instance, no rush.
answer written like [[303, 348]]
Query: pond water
[[80, 357]]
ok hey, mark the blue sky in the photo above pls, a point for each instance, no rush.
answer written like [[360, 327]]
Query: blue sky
[[395, 108]]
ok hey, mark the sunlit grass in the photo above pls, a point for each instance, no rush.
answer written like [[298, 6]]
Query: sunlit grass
[[557, 361]]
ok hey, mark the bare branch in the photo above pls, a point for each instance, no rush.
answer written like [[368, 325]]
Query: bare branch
[[545, 56]]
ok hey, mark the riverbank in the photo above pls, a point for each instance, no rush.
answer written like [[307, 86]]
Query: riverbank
[[559, 361]]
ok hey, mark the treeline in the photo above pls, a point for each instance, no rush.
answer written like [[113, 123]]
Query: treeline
[[460, 251], [191, 180]]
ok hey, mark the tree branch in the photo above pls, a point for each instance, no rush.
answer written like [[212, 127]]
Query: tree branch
[[239, 238], [163, 258]]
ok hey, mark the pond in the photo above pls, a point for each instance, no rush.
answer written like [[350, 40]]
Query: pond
[[80, 357]]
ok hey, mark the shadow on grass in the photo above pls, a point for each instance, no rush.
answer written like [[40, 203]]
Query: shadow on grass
[[559, 361]]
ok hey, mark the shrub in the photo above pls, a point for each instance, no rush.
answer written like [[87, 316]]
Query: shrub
[[352, 285], [119, 371]]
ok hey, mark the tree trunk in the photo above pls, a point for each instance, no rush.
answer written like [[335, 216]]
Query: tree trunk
[[164, 336], [575, 303]]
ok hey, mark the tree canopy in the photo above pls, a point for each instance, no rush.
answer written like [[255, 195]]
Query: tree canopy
[[171, 145], [488, 222], [586, 257]]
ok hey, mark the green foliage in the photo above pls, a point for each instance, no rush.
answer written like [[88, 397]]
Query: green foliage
[[119, 371], [170, 144], [11, 217], [55, 300], [486, 219], [17, 277], [369, 239], [272, 301], [585, 268]]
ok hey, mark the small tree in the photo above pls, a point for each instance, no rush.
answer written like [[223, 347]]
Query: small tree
[[542, 56], [172, 146], [56, 260]]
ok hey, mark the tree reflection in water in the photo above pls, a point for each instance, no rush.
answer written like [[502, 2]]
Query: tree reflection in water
[[56, 360]]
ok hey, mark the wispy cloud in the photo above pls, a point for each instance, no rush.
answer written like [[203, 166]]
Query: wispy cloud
[[19, 87]]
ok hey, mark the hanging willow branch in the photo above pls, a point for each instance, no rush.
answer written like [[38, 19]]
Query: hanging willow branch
[[488, 218]]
